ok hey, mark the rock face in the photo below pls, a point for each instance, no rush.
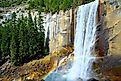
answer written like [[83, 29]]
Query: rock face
[[19, 10], [58, 29], [110, 64], [113, 25]]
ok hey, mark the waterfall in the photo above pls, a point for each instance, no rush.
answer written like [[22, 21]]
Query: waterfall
[[84, 42], [80, 69]]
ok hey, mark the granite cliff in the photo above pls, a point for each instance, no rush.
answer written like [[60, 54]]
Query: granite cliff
[[61, 25]]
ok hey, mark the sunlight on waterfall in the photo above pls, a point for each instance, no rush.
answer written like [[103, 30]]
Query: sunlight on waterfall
[[83, 46], [84, 41]]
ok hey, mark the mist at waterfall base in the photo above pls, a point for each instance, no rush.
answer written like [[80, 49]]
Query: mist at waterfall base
[[80, 68]]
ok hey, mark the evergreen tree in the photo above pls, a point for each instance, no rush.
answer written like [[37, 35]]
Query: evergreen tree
[[0, 41], [22, 50], [5, 44], [31, 4], [14, 42], [55, 5], [21, 38], [30, 27], [41, 34], [13, 48], [8, 3]]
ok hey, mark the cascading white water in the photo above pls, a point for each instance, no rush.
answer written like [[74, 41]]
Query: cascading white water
[[83, 46], [84, 42]]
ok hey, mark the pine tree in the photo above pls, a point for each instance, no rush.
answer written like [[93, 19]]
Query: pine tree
[[23, 45], [36, 33], [21, 38], [41, 34], [13, 49], [30, 33], [0, 41], [14, 41], [5, 44]]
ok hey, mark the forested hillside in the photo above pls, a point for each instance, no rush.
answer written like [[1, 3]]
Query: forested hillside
[[21, 38]]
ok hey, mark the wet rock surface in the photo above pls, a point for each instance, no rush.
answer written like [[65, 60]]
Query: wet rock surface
[[110, 68]]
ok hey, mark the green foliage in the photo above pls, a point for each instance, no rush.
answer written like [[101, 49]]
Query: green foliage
[[50, 5], [0, 42], [55, 5], [14, 42], [22, 38], [8, 3], [5, 40], [87, 1]]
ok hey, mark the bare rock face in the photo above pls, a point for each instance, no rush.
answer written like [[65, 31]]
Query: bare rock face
[[110, 64], [113, 25], [58, 29]]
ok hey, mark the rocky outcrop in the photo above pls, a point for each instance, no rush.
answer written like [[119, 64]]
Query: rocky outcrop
[[113, 25], [36, 69], [58, 29], [19, 10], [32, 71], [110, 64]]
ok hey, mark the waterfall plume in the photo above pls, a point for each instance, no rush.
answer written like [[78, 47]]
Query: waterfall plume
[[84, 41]]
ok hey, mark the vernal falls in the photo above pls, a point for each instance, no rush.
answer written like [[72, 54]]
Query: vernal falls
[[84, 44]]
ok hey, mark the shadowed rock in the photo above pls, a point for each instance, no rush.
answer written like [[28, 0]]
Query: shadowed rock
[[92, 79]]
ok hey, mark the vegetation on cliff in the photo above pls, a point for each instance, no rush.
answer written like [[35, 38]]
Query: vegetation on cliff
[[55, 5], [45, 5], [8, 3], [21, 39]]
